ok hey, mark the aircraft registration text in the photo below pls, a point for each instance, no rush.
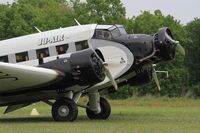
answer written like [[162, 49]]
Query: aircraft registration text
[[51, 40]]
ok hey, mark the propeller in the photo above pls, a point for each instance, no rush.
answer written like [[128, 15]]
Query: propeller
[[107, 72], [178, 45], [155, 77], [164, 34], [180, 48]]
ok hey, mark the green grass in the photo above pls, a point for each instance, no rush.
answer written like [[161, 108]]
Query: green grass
[[145, 115]]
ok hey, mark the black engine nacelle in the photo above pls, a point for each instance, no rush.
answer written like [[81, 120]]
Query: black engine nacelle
[[87, 67], [142, 77], [164, 45], [82, 68]]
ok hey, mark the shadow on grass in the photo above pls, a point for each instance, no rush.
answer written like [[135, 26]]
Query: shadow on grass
[[26, 120], [80, 118], [38, 119]]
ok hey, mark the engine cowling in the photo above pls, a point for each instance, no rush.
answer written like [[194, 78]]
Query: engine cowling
[[87, 67], [82, 68], [164, 46]]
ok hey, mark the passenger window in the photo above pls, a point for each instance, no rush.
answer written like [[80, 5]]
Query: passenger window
[[41, 53], [20, 57], [62, 49], [4, 59], [81, 45]]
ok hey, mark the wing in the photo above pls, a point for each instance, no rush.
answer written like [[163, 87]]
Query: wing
[[14, 77]]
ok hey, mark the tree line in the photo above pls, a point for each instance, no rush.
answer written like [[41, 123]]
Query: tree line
[[20, 17]]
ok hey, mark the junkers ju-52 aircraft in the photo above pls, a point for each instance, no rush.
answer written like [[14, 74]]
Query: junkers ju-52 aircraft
[[64, 64]]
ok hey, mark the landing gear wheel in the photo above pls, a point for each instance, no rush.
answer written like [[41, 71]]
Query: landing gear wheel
[[105, 110], [64, 110]]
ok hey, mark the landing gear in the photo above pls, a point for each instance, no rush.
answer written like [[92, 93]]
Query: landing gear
[[64, 109], [103, 114]]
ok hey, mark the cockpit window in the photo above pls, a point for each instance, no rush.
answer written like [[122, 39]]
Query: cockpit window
[[117, 30], [109, 32], [103, 34], [122, 30], [99, 34]]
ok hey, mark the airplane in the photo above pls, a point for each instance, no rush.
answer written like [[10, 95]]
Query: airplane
[[59, 66]]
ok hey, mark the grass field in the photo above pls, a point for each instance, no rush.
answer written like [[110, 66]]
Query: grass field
[[145, 115]]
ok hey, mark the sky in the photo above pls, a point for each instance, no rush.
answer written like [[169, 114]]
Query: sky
[[183, 10]]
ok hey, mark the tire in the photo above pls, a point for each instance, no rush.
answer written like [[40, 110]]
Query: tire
[[105, 110], [64, 110]]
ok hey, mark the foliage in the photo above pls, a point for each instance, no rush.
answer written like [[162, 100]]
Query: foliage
[[99, 11], [122, 93], [193, 60]]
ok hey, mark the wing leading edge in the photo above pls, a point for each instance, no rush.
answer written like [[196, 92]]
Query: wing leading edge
[[14, 77]]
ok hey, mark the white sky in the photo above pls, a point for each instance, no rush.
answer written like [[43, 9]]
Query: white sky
[[183, 10]]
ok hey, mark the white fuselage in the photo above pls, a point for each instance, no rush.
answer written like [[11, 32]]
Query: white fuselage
[[29, 49]]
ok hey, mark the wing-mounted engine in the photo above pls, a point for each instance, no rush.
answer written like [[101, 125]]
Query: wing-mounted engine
[[143, 75], [82, 68], [86, 67]]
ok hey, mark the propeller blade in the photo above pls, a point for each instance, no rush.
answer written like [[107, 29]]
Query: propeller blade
[[178, 45], [180, 48], [107, 72], [112, 80], [155, 77], [169, 38]]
